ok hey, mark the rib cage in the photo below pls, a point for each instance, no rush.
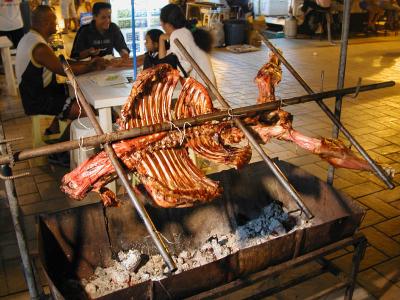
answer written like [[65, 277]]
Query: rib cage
[[193, 100], [150, 100], [162, 163], [173, 180]]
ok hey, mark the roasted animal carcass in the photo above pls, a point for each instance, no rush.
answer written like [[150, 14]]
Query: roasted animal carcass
[[332, 150], [161, 160]]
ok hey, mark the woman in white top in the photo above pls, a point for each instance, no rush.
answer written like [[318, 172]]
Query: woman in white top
[[197, 42]]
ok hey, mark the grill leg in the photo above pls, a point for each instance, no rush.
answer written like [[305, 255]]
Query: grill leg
[[328, 18], [357, 257]]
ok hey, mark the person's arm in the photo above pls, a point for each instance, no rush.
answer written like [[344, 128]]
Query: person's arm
[[81, 48], [43, 55], [182, 59], [140, 59], [89, 52], [162, 48], [124, 54], [119, 42]]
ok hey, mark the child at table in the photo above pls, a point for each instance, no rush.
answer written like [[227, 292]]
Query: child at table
[[151, 44], [151, 56]]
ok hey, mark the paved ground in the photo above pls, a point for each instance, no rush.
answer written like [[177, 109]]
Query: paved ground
[[373, 118]]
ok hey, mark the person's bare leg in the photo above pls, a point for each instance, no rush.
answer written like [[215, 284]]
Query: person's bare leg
[[371, 17], [76, 24], [75, 111], [54, 127], [66, 25]]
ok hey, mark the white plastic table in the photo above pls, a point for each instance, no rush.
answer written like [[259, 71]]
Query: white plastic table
[[5, 45], [103, 98]]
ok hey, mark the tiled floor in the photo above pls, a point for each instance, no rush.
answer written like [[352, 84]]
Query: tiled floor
[[373, 118]]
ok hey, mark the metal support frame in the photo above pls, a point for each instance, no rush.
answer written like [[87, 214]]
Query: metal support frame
[[358, 255], [154, 233], [269, 162], [377, 169], [94, 141], [341, 76], [32, 281], [358, 241]]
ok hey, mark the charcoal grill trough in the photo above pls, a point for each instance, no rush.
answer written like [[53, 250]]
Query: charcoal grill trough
[[72, 243]]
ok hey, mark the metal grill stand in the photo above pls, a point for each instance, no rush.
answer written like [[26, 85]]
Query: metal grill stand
[[8, 157], [32, 280], [358, 241]]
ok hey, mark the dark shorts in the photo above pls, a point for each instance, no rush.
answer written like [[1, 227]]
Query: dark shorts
[[54, 100], [14, 35]]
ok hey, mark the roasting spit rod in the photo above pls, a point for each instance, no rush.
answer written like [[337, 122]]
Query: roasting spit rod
[[155, 235], [377, 169], [96, 140], [273, 167]]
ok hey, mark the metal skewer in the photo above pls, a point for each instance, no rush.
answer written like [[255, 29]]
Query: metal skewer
[[274, 168], [155, 235], [96, 140], [377, 169]]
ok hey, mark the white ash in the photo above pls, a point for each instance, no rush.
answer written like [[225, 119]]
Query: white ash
[[125, 272], [130, 260]]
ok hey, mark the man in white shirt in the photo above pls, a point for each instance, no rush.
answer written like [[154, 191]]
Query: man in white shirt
[[11, 24]]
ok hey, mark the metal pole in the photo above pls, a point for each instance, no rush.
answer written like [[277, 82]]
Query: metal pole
[[155, 235], [377, 169], [35, 291], [274, 168], [251, 279], [194, 121], [341, 76], [133, 39], [358, 255]]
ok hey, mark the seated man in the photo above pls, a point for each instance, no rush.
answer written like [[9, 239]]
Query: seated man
[[100, 37], [36, 66]]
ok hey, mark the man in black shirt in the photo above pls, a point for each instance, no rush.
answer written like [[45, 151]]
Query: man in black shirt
[[100, 37]]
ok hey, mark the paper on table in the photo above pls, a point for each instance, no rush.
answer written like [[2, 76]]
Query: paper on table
[[108, 56], [108, 79]]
